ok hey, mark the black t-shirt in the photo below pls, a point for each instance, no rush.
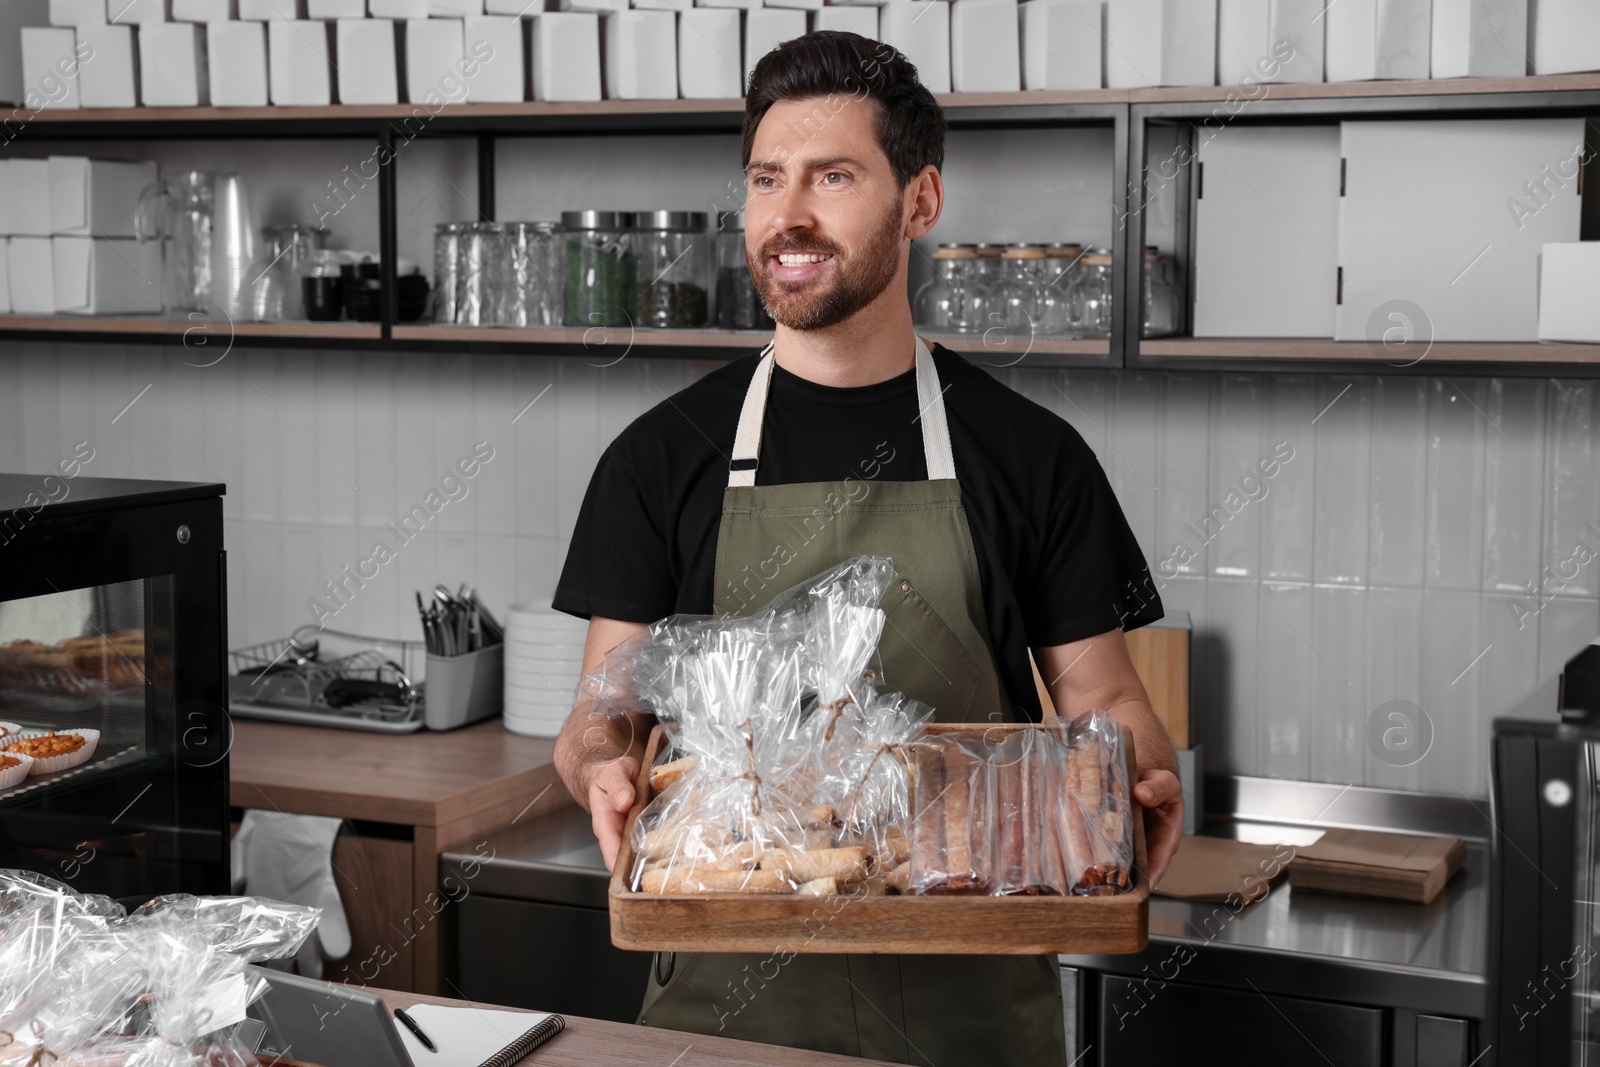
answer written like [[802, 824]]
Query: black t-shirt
[[1055, 555]]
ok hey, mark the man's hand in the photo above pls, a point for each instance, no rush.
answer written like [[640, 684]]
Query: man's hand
[[610, 795], [1161, 796]]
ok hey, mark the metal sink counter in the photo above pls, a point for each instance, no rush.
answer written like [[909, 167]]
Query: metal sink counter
[[1422, 966]]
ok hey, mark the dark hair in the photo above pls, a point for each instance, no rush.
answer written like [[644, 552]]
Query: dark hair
[[832, 65]]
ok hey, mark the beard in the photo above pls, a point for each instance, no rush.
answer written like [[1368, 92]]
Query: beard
[[858, 278]]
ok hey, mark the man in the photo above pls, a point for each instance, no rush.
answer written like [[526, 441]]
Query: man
[[846, 437]]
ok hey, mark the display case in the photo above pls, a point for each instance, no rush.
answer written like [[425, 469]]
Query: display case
[[112, 628], [1544, 970]]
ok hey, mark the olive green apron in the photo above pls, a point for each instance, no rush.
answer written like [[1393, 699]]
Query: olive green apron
[[938, 1011]]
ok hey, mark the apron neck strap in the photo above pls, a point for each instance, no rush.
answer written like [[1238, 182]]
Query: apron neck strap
[[930, 413]]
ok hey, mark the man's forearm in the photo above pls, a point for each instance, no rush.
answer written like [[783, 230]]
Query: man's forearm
[[590, 739], [1152, 747]]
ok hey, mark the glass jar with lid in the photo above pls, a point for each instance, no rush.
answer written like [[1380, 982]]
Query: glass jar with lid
[[673, 254], [481, 246], [528, 286], [988, 268], [738, 304], [1025, 299], [1091, 293], [1160, 295], [599, 268], [1055, 314], [952, 300]]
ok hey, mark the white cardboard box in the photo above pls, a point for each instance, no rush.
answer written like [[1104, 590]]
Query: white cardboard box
[[1569, 278], [1479, 39], [806, 5], [237, 63], [14, 16], [1455, 245], [1566, 36], [96, 197], [271, 10], [336, 9], [1062, 43], [498, 42], [765, 28], [1161, 42], [663, 5], [5, 280], [637, 67], [172, 65], [434, 48], [985, 55], [5, 197], [745, 5], [137, 12], [366, 52], [397, 9], [1267, 232], [596, 7], [708, 53], [204, 10], [1373, 39], [566, 56], [297, 62], [77, 13], [920, 29], [93, 276], [859, 19], [50, 66], [1269, 41], [30, 265], [454, 9], [28, 193], [111, 79]]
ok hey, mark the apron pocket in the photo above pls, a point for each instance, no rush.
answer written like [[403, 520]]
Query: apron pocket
[[922, 658]]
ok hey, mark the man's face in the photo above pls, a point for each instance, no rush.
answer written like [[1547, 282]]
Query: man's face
[[824, 216]]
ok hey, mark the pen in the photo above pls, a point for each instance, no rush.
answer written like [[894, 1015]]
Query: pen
[[411, 1024]]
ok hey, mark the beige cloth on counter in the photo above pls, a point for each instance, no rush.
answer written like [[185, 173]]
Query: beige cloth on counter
[[290, 858], [1218, 868]]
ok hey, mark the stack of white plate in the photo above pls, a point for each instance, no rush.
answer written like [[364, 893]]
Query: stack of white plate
[[544, 660]]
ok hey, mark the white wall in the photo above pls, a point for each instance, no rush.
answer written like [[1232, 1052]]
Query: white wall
[[1386, 555]]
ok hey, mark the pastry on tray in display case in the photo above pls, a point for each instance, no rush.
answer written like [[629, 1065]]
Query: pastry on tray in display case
[[55, 750], [14, 767], [112, 660]]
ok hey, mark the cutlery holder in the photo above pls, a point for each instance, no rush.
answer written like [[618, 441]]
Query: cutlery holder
[[464, 689]]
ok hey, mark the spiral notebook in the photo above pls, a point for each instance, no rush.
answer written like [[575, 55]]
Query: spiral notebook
[[476, 1037]]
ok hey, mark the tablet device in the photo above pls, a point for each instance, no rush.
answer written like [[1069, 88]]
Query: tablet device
[[326, 1023]]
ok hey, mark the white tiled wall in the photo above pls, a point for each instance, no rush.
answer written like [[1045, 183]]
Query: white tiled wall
[[1384, 562]]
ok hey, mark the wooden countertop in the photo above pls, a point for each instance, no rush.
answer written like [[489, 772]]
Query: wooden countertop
[[597, 1043], [420, 779]]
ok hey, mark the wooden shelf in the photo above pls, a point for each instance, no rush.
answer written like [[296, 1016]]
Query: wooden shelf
[[151, 325], [1300, 348], [1358, 90], [727, 110], [613, 339]]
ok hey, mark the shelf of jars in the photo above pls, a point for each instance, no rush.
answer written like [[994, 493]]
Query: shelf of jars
[[193, 329], [1357, 352]]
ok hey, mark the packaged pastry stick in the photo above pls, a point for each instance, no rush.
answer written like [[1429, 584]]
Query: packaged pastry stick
[[1096, 819]]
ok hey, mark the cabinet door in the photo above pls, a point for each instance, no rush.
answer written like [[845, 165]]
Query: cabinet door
[[1152, 1022]]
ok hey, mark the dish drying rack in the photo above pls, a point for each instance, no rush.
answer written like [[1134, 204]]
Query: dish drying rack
[[330, 678]]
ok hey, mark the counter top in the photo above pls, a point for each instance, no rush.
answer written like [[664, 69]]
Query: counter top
[[420, 779], [1425, 957], [595, 1043]]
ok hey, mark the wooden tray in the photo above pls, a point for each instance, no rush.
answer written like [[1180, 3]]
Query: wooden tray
[[760, 922]]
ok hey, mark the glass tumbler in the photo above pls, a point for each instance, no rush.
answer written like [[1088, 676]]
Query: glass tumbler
[[529, 273], [477, 301], [446, 268]]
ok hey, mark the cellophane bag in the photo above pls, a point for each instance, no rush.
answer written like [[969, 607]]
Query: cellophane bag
[[85, 983], [1044, 811], [776, 729], [1095, 824]]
